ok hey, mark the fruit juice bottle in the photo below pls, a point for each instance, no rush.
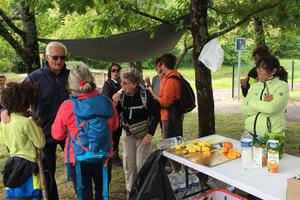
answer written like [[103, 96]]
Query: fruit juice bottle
[[259, 152], [273, 156]]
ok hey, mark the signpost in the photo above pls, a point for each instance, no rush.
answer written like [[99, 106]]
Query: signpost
[[240, 45]]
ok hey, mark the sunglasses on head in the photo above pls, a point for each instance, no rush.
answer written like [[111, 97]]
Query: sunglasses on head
[[58, 57], [115, 70]]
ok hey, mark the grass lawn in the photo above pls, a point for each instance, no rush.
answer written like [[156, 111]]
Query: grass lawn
[[223, 78], [227, 125]]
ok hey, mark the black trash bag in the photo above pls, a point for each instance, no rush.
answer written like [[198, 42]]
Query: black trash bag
[[152, 182]]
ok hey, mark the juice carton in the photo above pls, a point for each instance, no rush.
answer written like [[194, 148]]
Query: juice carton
[[277, 136], [273, 156], [259, 152]]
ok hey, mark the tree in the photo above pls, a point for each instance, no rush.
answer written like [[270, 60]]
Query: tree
[[23, 41], [208, 20], [201, 25]]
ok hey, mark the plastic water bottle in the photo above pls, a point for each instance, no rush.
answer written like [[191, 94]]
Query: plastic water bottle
[[246, 146], [169, 142]]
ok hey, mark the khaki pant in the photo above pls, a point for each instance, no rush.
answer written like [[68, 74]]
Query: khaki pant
[[135, 155]]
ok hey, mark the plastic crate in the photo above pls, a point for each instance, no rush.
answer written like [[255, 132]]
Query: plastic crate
[[218, 194]]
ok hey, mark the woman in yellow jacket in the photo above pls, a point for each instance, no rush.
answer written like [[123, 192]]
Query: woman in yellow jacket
[[266, 102]]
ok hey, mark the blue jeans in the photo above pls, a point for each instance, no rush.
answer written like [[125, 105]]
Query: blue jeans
[[91, 173]]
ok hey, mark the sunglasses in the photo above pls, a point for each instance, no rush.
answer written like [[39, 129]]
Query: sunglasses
[[58, 57], [115, 70]]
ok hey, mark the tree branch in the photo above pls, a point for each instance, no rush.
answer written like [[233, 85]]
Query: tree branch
[[145, 14], [14, 43], [244, 19], [185, 51], [12, 18], [9, 22], [219, 11]]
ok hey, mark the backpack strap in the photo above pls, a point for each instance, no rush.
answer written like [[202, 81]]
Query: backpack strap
[[175, 77], [178, 79], [78, 180], [105, 194], [68, 157], [143, 95]]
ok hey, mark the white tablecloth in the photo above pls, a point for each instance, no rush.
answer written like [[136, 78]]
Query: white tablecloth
[[257, 182]]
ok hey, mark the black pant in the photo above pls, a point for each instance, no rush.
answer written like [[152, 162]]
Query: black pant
[[116, 139], [91, 173], [49, 163]]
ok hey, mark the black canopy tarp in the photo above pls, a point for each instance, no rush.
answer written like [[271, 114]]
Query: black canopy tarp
[[126, 47]]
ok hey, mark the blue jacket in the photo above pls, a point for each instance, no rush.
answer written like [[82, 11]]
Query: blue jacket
[[52, 92]]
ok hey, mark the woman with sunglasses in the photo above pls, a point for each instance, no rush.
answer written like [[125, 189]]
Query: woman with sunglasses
[[110, 87], [266, 101]]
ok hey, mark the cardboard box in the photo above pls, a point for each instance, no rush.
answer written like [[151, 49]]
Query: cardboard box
[[293, 189]]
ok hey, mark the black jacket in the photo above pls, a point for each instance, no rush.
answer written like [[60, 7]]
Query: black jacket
[[17, 170], [110, 88], [52, 92], [152, 111], [253, 74]]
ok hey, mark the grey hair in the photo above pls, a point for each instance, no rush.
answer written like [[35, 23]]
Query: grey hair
[[132, 74], [78, 74], [55, 44]]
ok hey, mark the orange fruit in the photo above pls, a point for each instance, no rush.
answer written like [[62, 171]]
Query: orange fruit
[[225, 149], [229, 145]]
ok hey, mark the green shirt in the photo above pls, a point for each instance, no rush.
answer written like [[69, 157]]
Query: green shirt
[[259, 112], [22, 136]]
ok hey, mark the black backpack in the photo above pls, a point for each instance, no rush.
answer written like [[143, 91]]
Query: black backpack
[[187, 100]]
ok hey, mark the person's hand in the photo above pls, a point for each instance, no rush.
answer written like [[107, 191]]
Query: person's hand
[[116, 97], [5, 118], [147, 139], [244, 81], [37, 120], [147, 81], [268, 97]]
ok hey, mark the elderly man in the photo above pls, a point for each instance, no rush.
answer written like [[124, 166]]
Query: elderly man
[[52, 81]]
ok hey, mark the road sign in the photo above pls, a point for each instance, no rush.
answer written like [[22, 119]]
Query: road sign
[[240, 44]]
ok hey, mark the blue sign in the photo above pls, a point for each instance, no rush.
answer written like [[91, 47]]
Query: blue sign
[[240, 44]]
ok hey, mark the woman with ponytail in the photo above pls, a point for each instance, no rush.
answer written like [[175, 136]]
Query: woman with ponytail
[[87, 103], [266, 102]]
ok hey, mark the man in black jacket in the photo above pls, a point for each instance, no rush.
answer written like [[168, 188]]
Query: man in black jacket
[[52, 83]]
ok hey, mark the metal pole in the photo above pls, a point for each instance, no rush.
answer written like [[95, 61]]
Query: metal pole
[[232, 91], [293, 65], [239, 76]]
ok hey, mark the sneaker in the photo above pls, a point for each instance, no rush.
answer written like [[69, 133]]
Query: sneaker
[[116, 160]]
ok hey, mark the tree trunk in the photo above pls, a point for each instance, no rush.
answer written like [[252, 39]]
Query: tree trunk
[[206, 114], [31, 47], [258, 29]]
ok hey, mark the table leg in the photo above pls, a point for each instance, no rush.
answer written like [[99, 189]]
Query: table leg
[[201, 179]]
